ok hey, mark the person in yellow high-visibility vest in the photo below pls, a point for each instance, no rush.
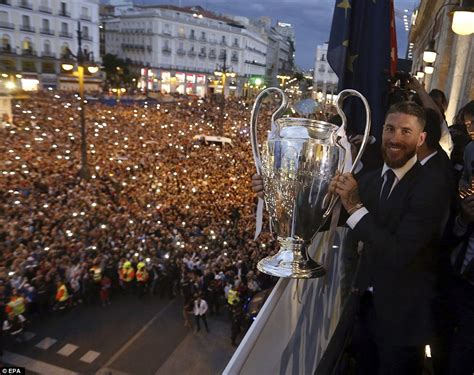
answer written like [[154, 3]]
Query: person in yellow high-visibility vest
[[16, 306], [127, 275], [62, 295], [233, 297], [142, 278]]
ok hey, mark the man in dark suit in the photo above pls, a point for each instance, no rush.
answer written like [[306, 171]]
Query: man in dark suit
[[398, 215]]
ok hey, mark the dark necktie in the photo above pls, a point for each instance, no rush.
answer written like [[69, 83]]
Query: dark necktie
[[388, 185]]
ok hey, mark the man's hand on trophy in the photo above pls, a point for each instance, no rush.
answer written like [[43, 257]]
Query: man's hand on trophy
[[347, 188], [257, 185]]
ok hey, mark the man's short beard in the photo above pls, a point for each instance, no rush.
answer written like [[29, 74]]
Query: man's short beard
[[397, 163]]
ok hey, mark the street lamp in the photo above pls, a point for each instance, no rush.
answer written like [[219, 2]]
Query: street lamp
[[283, 78], [223, 72], [463, 24], [463, 18], [429, 68], [83, 60]]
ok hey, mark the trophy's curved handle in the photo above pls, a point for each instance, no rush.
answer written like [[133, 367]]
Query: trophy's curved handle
[[254, 120], [368, 119]]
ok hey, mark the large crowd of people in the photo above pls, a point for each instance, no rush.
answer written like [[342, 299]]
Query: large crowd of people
[[166, 211], [163, 212]]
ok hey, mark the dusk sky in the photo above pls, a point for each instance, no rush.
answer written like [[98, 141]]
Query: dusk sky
[[310, 18]]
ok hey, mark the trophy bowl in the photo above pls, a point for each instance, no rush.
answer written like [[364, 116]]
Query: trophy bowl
[[297, 163]]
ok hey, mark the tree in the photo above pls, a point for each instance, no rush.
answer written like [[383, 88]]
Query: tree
[[118, 73]]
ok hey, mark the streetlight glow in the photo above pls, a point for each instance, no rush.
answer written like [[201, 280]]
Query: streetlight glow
[[67, 67]]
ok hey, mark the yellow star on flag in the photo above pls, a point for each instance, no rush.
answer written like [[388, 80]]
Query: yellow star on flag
[[350, 62], [344, 4]]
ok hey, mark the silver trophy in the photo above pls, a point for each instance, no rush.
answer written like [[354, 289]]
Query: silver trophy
[[297, 163]]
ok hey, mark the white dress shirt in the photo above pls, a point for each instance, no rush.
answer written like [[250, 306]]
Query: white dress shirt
[[200, 308]]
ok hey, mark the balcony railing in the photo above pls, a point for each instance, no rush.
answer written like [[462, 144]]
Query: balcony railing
[[181, 51], [64, 13], [25, 5], [28, 52], [234, 59], [7, 49], [202, 55], [7, 25], [47, 31], [212, 56], [85, 17], [27, 28], [236, 45], [45, 9], [181, 36], [203, 39], [166, 50], [87, 37], [192, 53], [223, 43], [65, 34], [50, 55], [192, 37]]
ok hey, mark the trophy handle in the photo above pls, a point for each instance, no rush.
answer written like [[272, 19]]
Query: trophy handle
[[340, 99], [254, 120]]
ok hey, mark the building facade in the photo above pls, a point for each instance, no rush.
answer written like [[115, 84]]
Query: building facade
[[280, 50], [36, 34], [178, 49], [454, 65], [325, 80]]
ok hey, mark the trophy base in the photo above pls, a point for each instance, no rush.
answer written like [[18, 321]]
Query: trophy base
[[288, 264]]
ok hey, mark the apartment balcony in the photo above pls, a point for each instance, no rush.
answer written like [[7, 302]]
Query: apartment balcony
[[46, 32], [28, 52], [7, 25], [182, 36], [85, 17], [192, 37], [202, 55], [167, 33], [7, 49], [235, 45], [87, 37], [48, 55], [65, 34], [234, 59], [203, 39], [212, 41], [223, 43], [166, 50], [192, 53], [64, 14], [44, 9], [25, 5], [27, 28], [148, 48], [212, 56], [181, 52]]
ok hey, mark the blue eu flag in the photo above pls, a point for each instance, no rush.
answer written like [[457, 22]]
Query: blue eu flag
[[362, 52]]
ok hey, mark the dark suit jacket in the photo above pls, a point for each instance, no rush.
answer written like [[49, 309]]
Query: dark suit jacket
[[400, 252]]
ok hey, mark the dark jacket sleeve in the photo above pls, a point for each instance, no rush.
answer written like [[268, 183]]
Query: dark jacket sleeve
[[420, 226]]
